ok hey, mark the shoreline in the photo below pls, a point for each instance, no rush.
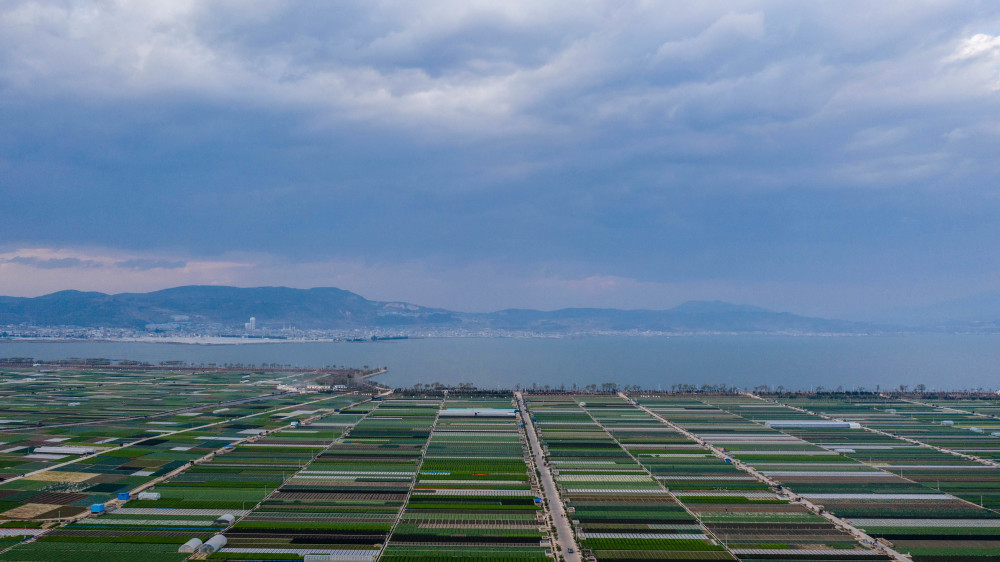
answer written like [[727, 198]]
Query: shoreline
[[226, 341]]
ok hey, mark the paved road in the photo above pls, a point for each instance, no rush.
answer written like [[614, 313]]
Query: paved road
[[564, 532]]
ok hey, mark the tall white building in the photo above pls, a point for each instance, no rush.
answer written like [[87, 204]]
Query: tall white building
[[253, 323]]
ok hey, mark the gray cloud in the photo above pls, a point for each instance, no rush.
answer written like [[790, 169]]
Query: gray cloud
[[764, 142], [144, 264], [52, 263]]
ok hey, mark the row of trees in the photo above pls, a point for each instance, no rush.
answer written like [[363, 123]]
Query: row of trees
[[903, 388]]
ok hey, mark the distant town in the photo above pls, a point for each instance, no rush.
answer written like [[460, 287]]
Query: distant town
[[214, 333]]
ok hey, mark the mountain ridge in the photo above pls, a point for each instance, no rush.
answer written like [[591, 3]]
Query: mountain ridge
[[331, 308]]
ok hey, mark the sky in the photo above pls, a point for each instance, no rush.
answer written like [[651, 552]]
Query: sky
[[827, 158]]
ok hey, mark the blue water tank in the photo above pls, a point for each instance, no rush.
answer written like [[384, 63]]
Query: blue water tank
[[123, 496], [97, 508]]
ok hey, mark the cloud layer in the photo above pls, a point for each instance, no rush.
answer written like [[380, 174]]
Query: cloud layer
[[847, 149]]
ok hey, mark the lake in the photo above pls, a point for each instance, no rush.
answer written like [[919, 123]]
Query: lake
[[938, 361]]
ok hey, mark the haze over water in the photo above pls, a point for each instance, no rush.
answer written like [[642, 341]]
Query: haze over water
[[938, 361]]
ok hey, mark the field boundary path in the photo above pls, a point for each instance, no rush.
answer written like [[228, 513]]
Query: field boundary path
[[413, 482]]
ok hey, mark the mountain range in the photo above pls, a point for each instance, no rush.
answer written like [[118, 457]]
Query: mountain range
[[332, 309], [328, 308]]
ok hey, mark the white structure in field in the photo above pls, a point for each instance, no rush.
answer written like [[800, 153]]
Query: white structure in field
[[478, 412], [213, 544], [66, 450], [190, 546], [812, 424]]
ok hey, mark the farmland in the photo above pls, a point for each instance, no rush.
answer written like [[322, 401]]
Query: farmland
[[176, 465], [620, 511], [933, 445], [206, 445], [474, 496]]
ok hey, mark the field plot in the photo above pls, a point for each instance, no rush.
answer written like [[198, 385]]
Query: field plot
[[960, 433], [53, 418], [750, 518], [430, 477], [957, 425], [855, 475], [620, 512], [199, 501], [346, 500], [135, 455], [118, 433], [475, 497], [82, 396]]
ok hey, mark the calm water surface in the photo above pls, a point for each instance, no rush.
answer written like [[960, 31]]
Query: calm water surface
[[939, 361]]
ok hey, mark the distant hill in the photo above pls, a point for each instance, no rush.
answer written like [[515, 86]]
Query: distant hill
[[325, 307], [693, 316], [331, 308], [976, 313]]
